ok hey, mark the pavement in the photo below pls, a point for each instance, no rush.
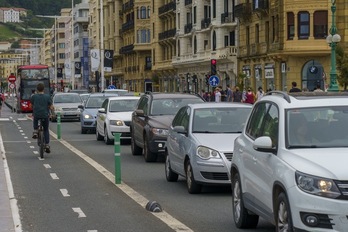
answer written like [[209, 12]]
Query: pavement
[[6, 192]]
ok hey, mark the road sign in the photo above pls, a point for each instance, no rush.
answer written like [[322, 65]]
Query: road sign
[[12, 86], [12, 78], [111, 87], [214, 81]]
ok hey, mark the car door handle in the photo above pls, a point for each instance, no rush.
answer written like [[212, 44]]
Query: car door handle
[[254, 159]]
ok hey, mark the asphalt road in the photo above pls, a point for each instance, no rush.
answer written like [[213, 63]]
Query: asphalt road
[[73, 188]]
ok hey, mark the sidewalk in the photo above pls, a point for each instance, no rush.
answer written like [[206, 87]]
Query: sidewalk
[[6, 216]]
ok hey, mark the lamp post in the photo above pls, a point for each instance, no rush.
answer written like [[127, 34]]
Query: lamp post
[[333, 39]]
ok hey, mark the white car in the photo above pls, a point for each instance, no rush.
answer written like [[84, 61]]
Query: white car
[[289, 165], [115, 117]]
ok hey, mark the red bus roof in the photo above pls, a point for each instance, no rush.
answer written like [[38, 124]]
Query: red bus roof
[[33, 66]]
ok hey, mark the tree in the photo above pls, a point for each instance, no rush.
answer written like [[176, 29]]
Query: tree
[[342, 67]]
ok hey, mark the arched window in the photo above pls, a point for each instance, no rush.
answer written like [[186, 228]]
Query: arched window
[[148, 11], [143, 12]]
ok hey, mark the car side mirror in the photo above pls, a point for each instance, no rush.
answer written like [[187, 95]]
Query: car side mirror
[[80, 107], [101, 110], [139, 112], [264, 144], [180, 129]]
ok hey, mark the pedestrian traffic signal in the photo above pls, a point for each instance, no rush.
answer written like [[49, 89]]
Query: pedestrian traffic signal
[[213, 66]]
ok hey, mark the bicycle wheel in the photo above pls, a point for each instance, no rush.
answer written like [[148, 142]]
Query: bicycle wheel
[[42, 143]]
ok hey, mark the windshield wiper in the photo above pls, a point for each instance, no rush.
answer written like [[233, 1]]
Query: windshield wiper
[[303, 146]]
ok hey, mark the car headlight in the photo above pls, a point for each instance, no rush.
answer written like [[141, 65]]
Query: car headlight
[[87, 116], [317, 185], [207, 153], [116, 123], [158, 131]]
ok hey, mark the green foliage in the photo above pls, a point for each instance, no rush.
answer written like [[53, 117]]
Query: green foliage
[[342, 67]]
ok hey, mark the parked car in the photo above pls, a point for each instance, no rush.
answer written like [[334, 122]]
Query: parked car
[[114, 117], [120, 92], [90, 109], [289, 165], [199, 145], [68, 105], [151, 120], [84, 96]]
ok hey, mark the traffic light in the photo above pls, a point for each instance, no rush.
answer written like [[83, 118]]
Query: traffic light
[[213, 66], [207, 80]]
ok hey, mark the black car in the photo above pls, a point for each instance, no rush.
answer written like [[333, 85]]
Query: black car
[[151, 120]]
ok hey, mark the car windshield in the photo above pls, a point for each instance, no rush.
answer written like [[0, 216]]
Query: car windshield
[[67, 98], [95, 102], [123, 105], [219, 120], [84, 97], [171, 106], [317, 127]]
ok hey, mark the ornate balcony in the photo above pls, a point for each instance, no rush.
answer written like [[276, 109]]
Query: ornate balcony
[[243, 11], [205, 23], [127, 49], [128, 6], [167, 34], [188, 2], [263, 5], [188, 28], [127, 26], [227, 17], [167, 7]]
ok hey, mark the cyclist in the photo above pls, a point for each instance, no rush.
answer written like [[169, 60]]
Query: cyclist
[[42, 104]]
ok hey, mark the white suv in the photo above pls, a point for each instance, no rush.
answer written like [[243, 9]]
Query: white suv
[[290, 164]]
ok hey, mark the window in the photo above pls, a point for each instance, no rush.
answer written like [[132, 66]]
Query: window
[[61, 56], [143, 12], [143, 36], [320, 24], [290, 25], [257, 29], [195, 45], [214, 9], [232, 38], [194, 15], [303, 25], [214, 41], [61, 45]]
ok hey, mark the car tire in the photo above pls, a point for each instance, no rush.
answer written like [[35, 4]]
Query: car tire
[[148, 155], [170, 175], [98, 136], [283, 214], [107, 140], [242, 218], [192, 186], [136, 150]]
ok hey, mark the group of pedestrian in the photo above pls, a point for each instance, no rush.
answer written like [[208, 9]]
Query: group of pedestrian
[[295, 89]]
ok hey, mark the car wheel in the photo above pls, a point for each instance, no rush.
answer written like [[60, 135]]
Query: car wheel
[[283, 214], [98, 136], [83, 130], [136, 150], [242, 218], [148, 155], [106, 137], [170, 175], [192, 186]]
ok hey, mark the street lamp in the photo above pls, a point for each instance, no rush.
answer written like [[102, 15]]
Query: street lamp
[[332, 39]]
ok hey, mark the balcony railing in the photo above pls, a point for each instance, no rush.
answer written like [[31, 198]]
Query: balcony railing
[[127, 49], [242, 10], [205, 23], [188, 28], [263, 5], [167, 34], [127, 26], [227, 17], [167, 7], [128, 6], [188, 2]]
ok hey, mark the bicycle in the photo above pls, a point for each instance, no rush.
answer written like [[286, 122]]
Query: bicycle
[[41, 138]]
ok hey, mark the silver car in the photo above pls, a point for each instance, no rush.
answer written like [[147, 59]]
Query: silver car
[[67, 104], [200, 143]]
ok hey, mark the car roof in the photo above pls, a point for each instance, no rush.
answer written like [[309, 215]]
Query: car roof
[[306, 99], [205, 105], [173, 95], [123, 98], [64, 93], [103, 94]]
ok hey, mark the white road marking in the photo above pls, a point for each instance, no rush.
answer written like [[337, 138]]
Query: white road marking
[[40, 158], [36, 152], [13, 200], [28, 141], [22, 119], [25, 137], [19, 127], [32, 147], [23, 133], [165, 217], [80, 213], [20, 130], [4, 119], [54, 176], [47, 166], [92, 230], [64, 192]]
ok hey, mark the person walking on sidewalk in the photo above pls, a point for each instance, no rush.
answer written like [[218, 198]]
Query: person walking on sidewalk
[[42, 104]]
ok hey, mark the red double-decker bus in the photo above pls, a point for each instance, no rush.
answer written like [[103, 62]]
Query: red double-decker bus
[[28, 76]]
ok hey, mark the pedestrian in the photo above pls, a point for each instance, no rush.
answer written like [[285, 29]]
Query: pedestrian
[[228, 94], [237, 95], [259, 93], [1, 102], [249, 96], [217, 95], [294, 88], [318, 89]]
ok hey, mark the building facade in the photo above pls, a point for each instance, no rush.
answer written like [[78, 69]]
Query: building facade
[[11, 15]]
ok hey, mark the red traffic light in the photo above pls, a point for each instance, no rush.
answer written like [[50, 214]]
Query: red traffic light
[[213, 62]]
